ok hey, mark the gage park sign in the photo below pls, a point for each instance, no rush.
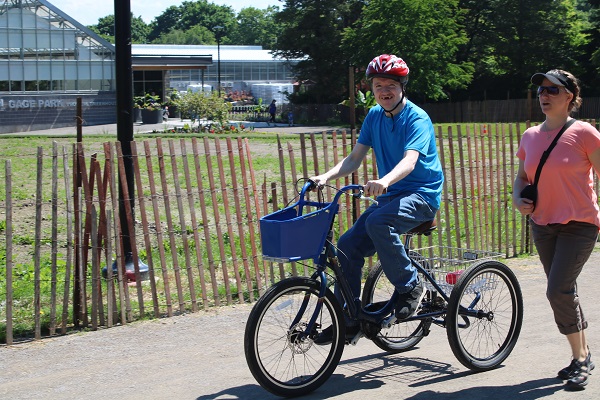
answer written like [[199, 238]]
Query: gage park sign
[[22, 113]]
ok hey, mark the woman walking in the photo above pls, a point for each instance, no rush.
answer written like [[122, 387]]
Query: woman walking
[[563, 208]]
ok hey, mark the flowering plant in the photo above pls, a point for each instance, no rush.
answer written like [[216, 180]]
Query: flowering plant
[[214, 128]]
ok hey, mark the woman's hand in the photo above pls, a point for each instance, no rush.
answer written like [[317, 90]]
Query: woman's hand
[[523, 205]]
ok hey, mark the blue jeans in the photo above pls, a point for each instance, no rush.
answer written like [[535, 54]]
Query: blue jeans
[[379, 229]]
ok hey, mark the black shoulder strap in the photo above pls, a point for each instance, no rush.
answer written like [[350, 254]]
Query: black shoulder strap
[[547, 152]]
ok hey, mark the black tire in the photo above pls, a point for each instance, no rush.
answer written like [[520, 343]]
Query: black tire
[[282, 361], [403, 335], [481, 344]]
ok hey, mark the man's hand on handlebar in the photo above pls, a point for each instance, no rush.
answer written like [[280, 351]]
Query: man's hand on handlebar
[[372, 188], [375, 188], [318, 181]]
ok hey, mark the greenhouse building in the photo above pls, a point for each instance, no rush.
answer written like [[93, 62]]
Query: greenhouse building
[[48, 60]]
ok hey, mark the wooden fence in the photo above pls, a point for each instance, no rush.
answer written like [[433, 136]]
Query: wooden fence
[[445, 112], [501, 111], [194, 216]]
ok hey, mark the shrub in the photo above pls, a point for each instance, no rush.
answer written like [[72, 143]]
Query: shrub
[[203, 106]]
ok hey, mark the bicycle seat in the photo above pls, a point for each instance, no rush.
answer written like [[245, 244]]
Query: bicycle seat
[[424, 229]]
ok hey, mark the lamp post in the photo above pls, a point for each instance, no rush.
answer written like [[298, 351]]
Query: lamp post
[[218, 32]]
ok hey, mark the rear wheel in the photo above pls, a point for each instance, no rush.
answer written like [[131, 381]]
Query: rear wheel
[[282, 358], [403, 335], [491, 294]]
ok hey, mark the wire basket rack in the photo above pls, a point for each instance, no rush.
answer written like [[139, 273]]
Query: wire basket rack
[[446, 264]]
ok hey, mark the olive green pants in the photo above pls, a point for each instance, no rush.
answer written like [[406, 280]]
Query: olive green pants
[[563, 250]]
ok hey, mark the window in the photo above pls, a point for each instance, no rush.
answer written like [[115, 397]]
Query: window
[[39, 47]]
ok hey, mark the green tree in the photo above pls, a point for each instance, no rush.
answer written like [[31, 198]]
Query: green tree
[[425, 33], [106, 28], [476, 17], [194, 13], [509, 40], [164, 23], [194, 35], [256, 27], [312, 33], [590, 51]]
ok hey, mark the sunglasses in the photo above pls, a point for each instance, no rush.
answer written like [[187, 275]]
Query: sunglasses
[[551, 90]]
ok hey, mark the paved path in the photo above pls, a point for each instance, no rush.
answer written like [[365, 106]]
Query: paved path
[[200, 356], [171, 123]]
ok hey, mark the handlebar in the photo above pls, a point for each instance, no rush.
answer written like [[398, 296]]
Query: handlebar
[[309, 185], [361, 196]]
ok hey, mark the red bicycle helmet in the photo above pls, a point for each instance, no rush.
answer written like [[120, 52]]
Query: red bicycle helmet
[[388, 66]]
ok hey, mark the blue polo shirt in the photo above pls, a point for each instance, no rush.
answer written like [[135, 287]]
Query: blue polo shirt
[[389, 138]]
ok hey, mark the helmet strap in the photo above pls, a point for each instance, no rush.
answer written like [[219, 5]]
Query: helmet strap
[[396, 106]]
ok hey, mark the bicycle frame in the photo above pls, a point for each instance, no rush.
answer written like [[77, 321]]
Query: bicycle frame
[[355, 309], [328, 258], [297, 330]]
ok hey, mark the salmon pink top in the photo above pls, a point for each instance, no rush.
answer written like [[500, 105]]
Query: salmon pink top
[[565, 187]]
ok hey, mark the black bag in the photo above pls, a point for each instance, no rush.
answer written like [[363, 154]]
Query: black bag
[[530, 191]]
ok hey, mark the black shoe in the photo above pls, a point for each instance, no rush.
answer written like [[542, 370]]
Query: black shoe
[[374, 307], [580, 376], [571, 370], [326, 335], [408, 302]]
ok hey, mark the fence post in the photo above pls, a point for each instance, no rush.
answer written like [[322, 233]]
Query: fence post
[[209, 252], [53, 272], [215, 204], [125, 307], [127, 192], [463, 179], [184, 235], [95, 267], [65, 310], [282, 172], [197, 243], [38, 243], [76, 208], [225, 199], [9, 260], [441, 151], [473, 169], [239, 219], [249, 213]]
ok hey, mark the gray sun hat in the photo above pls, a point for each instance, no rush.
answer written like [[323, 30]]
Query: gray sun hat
[[555, 77]]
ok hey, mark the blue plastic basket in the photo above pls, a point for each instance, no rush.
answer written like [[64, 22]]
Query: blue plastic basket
[[287, 236]]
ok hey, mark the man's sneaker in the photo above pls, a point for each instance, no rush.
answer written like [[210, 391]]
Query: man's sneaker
[[408, 302], [326, 335], [374, 307], [579, 376], [571, 370]]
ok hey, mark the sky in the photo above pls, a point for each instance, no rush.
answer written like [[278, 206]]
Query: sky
[[87, 12]]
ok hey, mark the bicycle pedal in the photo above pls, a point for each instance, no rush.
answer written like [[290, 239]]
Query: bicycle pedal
[[388, 322], [355, 339]]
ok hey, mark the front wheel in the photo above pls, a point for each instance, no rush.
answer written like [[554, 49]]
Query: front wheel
[[485, 313], [281, 355]]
